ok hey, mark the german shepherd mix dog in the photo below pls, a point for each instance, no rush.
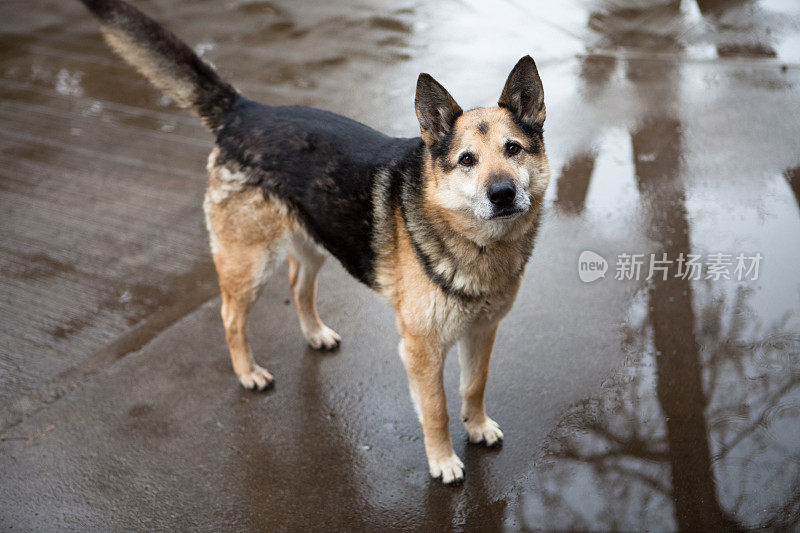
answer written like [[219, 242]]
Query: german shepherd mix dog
[[441, 226]]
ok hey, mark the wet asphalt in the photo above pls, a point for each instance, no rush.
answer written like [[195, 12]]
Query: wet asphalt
[[627, 403]]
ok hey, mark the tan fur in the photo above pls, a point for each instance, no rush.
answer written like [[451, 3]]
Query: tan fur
[[246, 232], [304, 264]]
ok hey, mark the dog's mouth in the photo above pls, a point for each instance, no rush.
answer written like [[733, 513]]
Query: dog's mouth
[[507, 214]]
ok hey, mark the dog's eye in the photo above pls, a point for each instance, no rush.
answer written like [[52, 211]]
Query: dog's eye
[[467, 160], [513, 148]]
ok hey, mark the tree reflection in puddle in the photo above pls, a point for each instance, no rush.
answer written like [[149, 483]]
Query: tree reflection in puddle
[[629, 461]]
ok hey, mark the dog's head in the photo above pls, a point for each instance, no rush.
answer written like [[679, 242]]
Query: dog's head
[[487, 166]]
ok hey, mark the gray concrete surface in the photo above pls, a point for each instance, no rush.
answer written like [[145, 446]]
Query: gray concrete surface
[[672, 127]]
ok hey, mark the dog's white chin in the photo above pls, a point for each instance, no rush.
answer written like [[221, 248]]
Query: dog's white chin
[[487, 229], [490, 217], [510, 216]]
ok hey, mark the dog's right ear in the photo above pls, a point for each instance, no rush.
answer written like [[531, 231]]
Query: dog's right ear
[[436, 109]]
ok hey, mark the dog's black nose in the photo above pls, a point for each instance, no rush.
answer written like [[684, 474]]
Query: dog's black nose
[[501, 193]]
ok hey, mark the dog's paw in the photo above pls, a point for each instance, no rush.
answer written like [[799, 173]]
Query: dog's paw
[[256, 379], [324, 339], [450, 469], [487, 432]]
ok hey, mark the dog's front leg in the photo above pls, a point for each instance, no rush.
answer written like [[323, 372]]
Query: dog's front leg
[[474, 352], [423, 359]]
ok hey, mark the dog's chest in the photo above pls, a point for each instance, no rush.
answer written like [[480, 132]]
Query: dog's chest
[[425, 309], [455, 319]]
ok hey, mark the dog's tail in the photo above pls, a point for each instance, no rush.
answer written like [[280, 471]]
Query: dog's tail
[[169, 63]]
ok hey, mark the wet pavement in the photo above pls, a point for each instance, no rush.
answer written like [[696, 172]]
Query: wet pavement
[[663, 403]]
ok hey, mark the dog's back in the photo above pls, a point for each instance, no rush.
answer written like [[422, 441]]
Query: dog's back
[[321, 164]]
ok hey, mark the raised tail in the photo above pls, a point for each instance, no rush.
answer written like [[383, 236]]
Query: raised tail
[[169, 63]]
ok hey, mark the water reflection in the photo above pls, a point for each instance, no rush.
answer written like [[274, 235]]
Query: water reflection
[[729, 19], [296, 483], [699, 431], [471, 509], [704, 440], [792, 176], [573, 185]]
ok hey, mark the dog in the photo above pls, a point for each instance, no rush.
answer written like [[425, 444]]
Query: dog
[[441, 225]]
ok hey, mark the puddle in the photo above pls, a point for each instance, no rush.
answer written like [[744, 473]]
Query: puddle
[[698, 431]]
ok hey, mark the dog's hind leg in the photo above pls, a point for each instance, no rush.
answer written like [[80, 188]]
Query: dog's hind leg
[[247, 238], [305, 260], [241, 278]]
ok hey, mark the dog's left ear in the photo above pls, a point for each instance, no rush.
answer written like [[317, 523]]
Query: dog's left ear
[[523, 94], [436, 110]]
